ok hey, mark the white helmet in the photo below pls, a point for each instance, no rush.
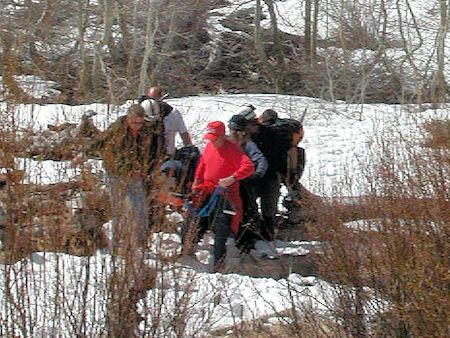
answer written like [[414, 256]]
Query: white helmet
[[248, 111], [151, 108]]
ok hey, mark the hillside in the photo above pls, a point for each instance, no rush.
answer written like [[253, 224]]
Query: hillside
[[361, 53]]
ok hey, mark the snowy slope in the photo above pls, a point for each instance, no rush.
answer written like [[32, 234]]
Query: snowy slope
[[338, 143]]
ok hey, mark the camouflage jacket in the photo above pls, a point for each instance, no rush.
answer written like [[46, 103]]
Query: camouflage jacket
[[127, 155]]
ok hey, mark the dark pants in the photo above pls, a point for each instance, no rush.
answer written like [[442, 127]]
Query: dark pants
[[247, 192], [268, 189], [195, 227], [249, 230]]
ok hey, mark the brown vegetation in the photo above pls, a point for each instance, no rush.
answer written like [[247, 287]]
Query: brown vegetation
[[404, 258]]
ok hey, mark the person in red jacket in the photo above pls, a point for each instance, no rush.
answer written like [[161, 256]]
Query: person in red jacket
[[216, 183]]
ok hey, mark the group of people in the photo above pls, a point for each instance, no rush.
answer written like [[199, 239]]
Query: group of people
[[220, 186], [248, 164]]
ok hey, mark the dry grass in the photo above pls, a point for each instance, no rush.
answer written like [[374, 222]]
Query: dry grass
[[309, 325]]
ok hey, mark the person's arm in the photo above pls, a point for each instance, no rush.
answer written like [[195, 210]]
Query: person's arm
[[186, 138], [258, 159], [95, 146], [181, 128], [199, 172], [245, 169]]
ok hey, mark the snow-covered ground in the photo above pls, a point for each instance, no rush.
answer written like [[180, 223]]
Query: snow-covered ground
[[338, 142], [51, 294], [339, 138]]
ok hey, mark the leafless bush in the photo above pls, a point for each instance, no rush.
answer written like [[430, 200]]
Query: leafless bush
[[402, 260], [439, 134]]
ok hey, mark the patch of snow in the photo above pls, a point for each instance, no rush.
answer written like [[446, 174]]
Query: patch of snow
[[34, 86]]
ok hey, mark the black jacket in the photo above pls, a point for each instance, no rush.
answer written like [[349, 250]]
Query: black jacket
[[274, 149]]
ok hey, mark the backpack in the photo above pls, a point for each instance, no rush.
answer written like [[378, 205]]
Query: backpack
[[287, 130], [189, 156], [296, 168], [288, 133], [183, 166]]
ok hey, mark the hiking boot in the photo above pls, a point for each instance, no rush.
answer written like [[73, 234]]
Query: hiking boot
[[220, 267], [266, 249], [190, 261]]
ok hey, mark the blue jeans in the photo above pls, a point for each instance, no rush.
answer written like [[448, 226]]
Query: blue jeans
[[129, 205]]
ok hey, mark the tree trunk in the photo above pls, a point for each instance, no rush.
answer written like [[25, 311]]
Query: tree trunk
[[308, 37], [409, 49], [83, 84], [132, 42], [152, 28], [315, 23], [275, 35], [108, 19], [260, 51], [168, 40], [439, 86]]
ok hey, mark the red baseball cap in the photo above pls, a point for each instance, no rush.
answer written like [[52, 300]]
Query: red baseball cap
[[214, 129]]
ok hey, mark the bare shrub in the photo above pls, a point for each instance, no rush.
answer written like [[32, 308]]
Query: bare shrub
[[439, 132], [402, 260]]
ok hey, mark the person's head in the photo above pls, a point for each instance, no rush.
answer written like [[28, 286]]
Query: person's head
[[253, 126], [248, 112], [238, 127], [215, 133], [135, 117], [269, 116], [154, 93]]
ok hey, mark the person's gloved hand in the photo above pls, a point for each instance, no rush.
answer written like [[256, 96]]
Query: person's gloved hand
[[226, 181], [197, 195], [200, 192], [196, 189]]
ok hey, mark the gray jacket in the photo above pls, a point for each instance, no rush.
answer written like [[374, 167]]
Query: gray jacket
[[256, 156]]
